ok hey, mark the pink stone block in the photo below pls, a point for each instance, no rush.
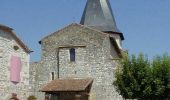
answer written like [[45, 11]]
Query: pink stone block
[[15, 69]]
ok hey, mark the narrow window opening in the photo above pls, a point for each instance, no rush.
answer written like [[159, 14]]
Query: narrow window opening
[[52, 75], [72, 54], [1, 53]]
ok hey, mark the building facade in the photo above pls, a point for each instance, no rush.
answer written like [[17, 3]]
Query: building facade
[[91, 49], [14, 65], [77, 61], [79, 52]]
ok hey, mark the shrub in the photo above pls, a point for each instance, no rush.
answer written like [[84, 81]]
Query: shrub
[[32, 97]]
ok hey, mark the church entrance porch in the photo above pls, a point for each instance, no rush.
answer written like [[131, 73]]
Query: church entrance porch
[[68, 89]]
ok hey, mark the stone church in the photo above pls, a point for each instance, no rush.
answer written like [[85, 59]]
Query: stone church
[[78, 62]]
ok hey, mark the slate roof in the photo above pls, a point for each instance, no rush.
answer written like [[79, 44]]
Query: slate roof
[[98, 14], [67, 85], [10, 31]]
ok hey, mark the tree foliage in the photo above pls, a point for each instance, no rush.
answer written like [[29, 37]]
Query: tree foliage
[[31, 97], [138, 78]]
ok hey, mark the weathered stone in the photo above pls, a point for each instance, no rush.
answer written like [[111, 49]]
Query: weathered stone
[[93, 59], [7, 43]]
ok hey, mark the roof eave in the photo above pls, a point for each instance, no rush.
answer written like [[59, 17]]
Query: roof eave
[[5, 27], [25, 47], [120, 33], [118, 50], [10, 30]]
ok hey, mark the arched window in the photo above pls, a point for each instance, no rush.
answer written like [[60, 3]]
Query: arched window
[[72, 54]]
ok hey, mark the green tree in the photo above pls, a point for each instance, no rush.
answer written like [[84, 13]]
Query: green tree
[[137, 78], [161, 75]]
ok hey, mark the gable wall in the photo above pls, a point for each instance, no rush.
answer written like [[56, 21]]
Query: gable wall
[[6, 51], [94, 60]]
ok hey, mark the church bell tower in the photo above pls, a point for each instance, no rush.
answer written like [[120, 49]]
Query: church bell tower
[[98, 15]]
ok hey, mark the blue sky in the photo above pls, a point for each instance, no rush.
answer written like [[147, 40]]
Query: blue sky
[[145, 23]]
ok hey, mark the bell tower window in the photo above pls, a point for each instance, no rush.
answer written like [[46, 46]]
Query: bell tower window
[[72, 54]]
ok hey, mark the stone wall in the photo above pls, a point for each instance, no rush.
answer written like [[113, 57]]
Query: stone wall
[[7, 44], [35, 82], [94, 59]]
